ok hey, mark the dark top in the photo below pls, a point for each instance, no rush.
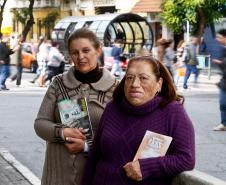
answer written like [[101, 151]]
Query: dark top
[[5, 52], [119, 135], [222, 66], [90, 77], [116, 52]]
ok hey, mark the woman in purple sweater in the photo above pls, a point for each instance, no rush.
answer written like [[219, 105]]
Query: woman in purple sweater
[[145, 99]]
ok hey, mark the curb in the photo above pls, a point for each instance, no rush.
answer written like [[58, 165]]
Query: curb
[[196, 177], [23, 170]]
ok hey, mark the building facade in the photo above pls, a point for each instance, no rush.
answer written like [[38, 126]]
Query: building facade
[[65, 8], [41, 9]]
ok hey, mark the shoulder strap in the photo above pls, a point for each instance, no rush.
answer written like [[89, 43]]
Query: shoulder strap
[[62, 88]]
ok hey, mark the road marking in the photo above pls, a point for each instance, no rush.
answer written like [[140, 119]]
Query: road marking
[[20, 167]]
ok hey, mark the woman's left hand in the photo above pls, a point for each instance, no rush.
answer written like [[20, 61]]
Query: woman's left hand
[[133, 170], [74, 145]]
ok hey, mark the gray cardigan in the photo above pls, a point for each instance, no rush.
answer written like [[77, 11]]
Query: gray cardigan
[[61, 167]]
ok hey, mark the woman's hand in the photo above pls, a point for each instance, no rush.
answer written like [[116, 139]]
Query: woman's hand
[[133, 170], [74, 133], [74, 145], [75, 140]]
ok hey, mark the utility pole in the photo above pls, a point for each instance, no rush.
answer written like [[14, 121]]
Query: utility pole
[[187, 31]]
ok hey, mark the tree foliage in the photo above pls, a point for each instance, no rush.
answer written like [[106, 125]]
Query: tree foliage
[[21, 15], [25, 17], [200, 13], [49, 21]]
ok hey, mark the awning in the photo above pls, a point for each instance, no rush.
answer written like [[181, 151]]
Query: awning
[[147, 6]]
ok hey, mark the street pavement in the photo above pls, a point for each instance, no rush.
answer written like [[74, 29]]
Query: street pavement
[[12, 172]]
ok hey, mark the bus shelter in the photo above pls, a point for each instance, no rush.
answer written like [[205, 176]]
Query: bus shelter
[[133, 29]]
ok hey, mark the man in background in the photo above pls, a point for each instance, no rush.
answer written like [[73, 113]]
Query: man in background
[[116, 54], [5, 53], [191, 65], [221, 38]]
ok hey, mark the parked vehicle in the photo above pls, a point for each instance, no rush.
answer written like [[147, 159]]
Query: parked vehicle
[[29, 57]]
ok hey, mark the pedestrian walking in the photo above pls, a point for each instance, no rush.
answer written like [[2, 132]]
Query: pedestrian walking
[[116, 54], [55, 63], [169, 56], [145, 99], [5, 53], [179, 66], [19, 62], [42, 59], [67, 147], [191, 61], [166, 54], [221, 38]]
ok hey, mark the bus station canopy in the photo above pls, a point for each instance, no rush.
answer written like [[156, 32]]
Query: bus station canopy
[[135, 31]]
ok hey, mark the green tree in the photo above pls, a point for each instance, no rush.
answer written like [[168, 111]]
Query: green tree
[[49, 21], [2, 6], [21, 15], [25, 17], [199, 13]]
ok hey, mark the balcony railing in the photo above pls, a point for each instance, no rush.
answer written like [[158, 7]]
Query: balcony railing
[[98, 3], [37, 4]]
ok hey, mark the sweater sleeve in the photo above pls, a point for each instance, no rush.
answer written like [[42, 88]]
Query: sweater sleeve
[[94, 154], [45, 123], [181, 153]]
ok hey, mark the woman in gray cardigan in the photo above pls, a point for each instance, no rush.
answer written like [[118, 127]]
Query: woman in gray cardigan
[[67, 147]]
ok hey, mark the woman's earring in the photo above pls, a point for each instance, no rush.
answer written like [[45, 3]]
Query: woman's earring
[[156, 94]]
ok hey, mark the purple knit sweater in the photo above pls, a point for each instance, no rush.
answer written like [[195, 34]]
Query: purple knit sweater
[[119, 135]]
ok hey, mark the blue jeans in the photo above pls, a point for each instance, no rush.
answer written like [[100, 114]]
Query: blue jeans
[[222, 101], [191, 69], [4, 74], [116, 68], [18, 75]]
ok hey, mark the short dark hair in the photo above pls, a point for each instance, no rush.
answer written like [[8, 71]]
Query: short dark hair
[[84, 33], [168, 92], [222, 32], [55, 43]]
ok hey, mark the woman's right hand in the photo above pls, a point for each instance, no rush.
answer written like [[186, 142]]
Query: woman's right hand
[[75, 140]]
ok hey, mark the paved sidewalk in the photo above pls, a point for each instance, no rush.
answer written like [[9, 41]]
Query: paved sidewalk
[[9, 175], [204, 84], [12, 172]]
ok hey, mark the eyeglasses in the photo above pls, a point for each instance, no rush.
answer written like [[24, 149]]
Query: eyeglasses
[[143, 78]]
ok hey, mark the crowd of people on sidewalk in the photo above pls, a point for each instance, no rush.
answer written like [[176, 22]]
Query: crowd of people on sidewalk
[[50, 60], [182, 62], [5, 52]]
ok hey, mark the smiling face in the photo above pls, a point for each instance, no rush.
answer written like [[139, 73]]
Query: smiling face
[[84, 55], [141, 84]]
